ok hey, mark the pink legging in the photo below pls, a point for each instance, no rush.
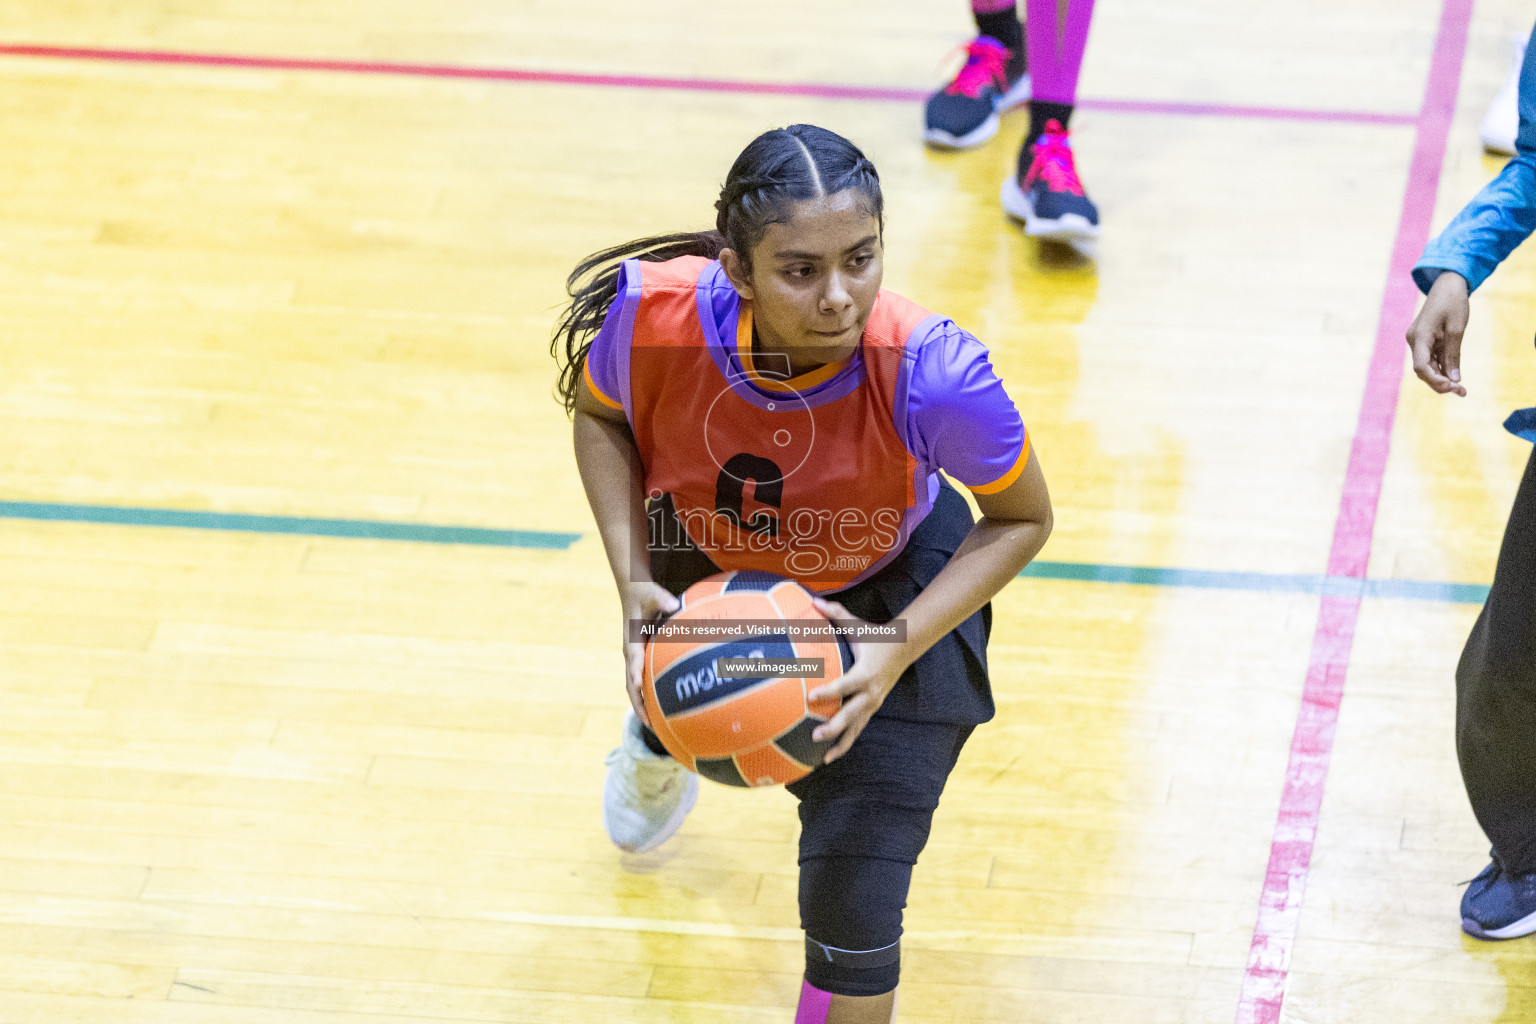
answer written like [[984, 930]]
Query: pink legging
[[1056, 35], [814, 1005]]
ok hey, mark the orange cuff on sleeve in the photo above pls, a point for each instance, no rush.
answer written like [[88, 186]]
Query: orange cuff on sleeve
[[586, 371], [1003, 482]]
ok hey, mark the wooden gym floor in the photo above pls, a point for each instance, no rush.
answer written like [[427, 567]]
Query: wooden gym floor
[[255, 770]]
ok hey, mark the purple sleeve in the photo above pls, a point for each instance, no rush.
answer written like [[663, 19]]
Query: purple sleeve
[[608, 358], [959, 418]]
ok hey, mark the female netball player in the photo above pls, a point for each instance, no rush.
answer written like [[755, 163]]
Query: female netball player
[[778, 411], [1007, 66]]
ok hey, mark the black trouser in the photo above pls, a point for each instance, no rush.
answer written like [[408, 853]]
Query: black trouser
[[1496, 695]]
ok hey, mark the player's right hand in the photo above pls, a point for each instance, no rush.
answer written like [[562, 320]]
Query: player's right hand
[[646, 602], [1435, 337]]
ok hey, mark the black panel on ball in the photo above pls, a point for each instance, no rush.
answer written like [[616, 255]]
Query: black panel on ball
[[797, 743], [751, 579], [719, 769]]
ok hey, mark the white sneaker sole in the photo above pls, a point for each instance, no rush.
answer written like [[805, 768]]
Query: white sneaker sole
[[1017, 96], [1072, 229], [1524, 926], [675, 822]]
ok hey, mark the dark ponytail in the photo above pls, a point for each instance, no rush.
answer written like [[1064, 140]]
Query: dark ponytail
[[779, 167]]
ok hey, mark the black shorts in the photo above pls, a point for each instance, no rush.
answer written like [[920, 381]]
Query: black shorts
[[865, 817]]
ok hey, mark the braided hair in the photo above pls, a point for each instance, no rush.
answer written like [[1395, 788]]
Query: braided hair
[[778, 168]]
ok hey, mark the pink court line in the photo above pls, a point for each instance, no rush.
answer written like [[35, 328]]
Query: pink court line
[[1290, 852], [814, 90]]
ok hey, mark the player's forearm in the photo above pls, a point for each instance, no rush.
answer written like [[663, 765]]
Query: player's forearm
[[614, 479], [992, 554]]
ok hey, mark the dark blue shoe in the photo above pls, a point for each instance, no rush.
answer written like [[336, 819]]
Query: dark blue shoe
[[964, 113], [1048, 196], [1499, 905]]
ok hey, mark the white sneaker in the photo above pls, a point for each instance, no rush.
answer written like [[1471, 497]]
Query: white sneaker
[[646, 796], [1502, 122]]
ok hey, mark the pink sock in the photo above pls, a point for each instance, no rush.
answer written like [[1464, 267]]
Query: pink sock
[[1056, 33], [814, 1005]]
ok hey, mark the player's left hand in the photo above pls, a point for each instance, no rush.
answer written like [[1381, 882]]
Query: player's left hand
[[863, 688]]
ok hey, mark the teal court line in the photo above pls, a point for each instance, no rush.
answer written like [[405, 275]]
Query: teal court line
[[368, 529], [1263, 582], [424, 533]]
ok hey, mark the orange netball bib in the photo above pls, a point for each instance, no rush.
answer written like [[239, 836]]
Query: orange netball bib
[[806, 477]]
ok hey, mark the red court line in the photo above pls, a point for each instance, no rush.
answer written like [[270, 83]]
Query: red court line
[[1290, 852], [815, 90]]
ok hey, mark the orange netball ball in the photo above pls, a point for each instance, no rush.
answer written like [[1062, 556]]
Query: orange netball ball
[[744, 731]]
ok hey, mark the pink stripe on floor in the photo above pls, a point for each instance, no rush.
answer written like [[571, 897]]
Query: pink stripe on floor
[[1301, 801], [814, 90]]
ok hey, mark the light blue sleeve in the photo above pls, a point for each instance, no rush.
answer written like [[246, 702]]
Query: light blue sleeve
[[1499, 217]]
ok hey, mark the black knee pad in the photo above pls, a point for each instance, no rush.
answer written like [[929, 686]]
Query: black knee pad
[[851, 909], [849, 972]]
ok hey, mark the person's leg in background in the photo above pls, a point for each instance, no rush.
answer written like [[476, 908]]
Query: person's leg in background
[[1502, 121], [1496, 731], [965, 112], [1045, 191]]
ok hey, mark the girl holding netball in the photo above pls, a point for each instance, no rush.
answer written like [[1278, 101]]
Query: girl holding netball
[[749, 398]]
